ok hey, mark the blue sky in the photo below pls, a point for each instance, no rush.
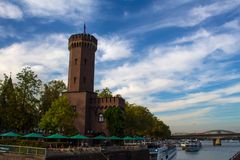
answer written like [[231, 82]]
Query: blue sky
[[180, 58]]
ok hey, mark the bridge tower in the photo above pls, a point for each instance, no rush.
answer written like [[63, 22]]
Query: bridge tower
[[217, 142]]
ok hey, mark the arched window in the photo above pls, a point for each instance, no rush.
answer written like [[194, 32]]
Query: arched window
[[100, 118]]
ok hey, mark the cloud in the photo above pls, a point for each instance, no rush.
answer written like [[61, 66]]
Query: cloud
[[10, 11], [235, 24], [46, 54], [113, 48], [211, 98], [166, 64], [185, 116], [71, 10], [175, 68], [201, 13], [193, 15], [200, 34]]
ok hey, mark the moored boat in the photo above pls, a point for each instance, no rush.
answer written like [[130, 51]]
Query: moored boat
[[167, 152], [193, 146]]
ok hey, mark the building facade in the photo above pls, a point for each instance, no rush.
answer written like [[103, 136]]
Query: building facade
[[81, 95]]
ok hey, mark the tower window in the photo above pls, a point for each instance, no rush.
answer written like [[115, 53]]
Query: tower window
[[84, 79], [76, 61], [100, 118], [74, 79], [85, 61]]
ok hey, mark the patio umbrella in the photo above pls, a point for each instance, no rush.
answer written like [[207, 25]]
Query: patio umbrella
[[56, 136], [33, 135], [10, 134], [128, 138], [139, 138], [78, 136], [114, 138], [100, 137]]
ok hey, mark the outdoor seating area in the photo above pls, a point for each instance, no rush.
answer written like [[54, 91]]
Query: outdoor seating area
[[76, 144]]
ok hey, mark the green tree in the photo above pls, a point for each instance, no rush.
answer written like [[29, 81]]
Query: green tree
[[104, 93], [28, 89], [8, 105], [114, 118], [138, 120], [60, 117], [159, 129], [52, 91]]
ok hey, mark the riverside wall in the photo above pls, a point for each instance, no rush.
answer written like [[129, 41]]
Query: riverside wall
[[111, 155]]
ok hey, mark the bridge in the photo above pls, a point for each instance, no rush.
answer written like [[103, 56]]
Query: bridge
[[215, 135]]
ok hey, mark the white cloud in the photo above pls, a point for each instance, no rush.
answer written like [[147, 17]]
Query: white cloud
[[185, 16], [113, 48], [47, 55], [173, 68], [213, 97], [185, 116], [10, 11], [201, 13], [200, 34], [73, 10], [235, 24]]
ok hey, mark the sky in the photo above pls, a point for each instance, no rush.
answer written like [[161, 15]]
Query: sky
[[179, 58]]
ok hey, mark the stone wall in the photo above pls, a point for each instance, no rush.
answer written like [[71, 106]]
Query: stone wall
[[114, 155], [117, 155], [8, 156]]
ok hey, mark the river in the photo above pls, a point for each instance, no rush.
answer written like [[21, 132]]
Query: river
[[210, 152]]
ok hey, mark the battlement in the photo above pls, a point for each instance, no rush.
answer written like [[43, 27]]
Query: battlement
[[108, 102], [82, 40]]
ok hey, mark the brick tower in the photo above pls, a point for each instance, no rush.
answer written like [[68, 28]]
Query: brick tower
[[82, 48]]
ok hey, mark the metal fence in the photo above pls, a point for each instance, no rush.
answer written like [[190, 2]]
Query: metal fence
[[23, 150], [236, 156]]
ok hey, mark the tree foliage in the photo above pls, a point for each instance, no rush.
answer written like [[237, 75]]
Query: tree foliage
[[27, 91], [140, 121], [9, 109], [104, 93], [52, 91], [135, 120], [114, 118], [23, 105], [60, 117]]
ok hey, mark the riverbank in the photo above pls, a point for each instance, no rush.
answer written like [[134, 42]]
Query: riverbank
[[76, 153]]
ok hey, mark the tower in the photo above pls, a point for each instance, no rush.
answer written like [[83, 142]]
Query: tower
[[88, 106], [82, 48]]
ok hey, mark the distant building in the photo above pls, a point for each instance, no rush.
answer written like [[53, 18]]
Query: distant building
[[89, 108]]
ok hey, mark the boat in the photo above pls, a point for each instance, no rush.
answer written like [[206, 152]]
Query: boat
[[165, 152], [183, 144], [193, 146]]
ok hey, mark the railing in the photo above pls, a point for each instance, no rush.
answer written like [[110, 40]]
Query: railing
[[236, 156], [122, 148], [23, 150], [96, 149]]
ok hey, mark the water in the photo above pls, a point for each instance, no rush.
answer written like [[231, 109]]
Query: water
[[210, 152]]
